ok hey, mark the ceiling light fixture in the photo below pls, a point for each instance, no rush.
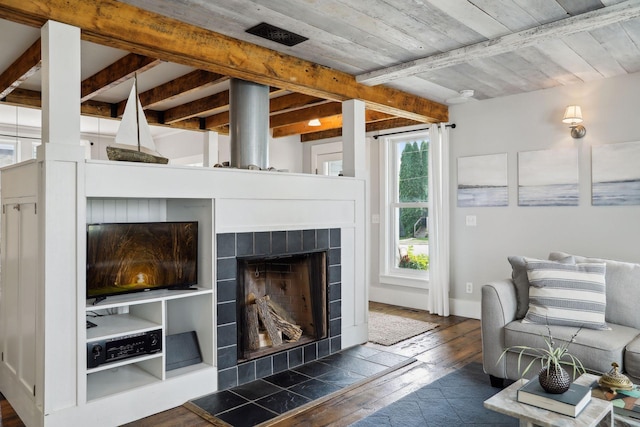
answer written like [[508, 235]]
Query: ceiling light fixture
[[573, 117], [314, 122]]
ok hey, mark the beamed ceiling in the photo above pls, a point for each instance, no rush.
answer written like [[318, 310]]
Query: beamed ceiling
[[406, 59]]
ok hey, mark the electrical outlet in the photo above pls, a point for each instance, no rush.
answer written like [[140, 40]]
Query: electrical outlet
[[469, 287], [470, 221]]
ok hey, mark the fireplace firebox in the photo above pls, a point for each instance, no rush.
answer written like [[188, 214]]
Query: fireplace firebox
[[282, 302]]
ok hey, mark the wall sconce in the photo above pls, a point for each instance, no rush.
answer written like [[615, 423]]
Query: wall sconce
[[314, 122], [573, 116]]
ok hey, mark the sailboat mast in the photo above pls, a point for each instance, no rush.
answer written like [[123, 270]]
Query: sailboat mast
[[135, 83]]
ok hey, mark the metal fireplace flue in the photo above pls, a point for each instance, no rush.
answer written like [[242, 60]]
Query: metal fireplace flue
[[282, 303]]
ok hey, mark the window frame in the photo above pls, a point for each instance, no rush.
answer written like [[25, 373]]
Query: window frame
[[389, 211]]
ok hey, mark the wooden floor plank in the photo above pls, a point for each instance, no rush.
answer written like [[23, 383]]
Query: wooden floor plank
[[453, 344]]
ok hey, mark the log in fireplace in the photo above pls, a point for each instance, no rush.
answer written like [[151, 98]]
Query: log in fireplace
[[282, 303]]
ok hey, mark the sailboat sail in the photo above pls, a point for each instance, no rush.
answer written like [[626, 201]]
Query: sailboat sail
[[133, 138]]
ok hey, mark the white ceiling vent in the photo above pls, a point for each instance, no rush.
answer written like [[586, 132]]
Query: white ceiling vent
[[278, 35]]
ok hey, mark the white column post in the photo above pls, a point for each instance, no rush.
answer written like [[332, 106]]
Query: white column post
[[353, 139], [62, 222], [210, 149], [354, 165], [60, 83]]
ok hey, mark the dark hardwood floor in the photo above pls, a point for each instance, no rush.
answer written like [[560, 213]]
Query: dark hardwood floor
[[455, 343]]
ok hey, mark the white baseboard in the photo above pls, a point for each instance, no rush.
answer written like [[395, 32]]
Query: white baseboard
[[417, 298], [399, 295], [465, 308]]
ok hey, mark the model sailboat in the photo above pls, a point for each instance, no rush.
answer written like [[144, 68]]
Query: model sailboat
[[133, 140]]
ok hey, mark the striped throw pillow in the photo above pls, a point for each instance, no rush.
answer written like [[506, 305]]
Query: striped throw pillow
[[566, 294]]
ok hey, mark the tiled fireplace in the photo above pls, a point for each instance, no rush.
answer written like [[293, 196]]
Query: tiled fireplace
[[278, 250]]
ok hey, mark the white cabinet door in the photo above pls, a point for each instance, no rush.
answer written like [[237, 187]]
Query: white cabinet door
[[29, 268], [19, 292], [11, 288]]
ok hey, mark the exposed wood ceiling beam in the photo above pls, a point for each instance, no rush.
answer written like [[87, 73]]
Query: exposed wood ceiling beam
[[116, 73], [94, 108], [216, 120], [202, 107], [508, 43], [370, 127], [192, 124], [219, 122], [293, 101], [31, 98], [22, 68], [390, 124], [24, 98], [332, 122], [320, 112], [180, 86], [199, 107], [328, 122], [325, 134], [290, 102], [150, 34], [376, 116], [305, 114]]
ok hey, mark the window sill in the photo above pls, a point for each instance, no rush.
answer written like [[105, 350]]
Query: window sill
[[410, 282]]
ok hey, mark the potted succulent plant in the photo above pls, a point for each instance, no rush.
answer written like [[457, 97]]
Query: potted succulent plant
[[552, 376]]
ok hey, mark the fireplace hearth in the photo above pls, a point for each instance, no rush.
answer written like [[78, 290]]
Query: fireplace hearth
[[295, 273]]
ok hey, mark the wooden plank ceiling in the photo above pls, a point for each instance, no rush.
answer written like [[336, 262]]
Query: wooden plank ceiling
[[300, 90], [406, 60]]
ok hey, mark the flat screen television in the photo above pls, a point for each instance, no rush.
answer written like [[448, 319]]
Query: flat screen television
[[135, 257]]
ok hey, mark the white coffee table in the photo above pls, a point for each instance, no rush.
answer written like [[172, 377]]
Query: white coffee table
[[597, 413], [618, 419]]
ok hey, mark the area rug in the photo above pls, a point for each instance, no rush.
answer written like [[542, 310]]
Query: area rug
[[454, 400], [387, 329]]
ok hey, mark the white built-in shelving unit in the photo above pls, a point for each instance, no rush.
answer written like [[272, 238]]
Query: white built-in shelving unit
[[119, 391], [170, 311], [44, 372], [139, 313]]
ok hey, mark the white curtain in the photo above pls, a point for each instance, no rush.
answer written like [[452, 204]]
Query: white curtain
[[438, 302]]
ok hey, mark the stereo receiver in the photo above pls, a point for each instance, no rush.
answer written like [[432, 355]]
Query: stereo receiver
[[110, 350]]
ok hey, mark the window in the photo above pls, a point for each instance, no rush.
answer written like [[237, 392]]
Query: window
[[330, 164], [7, 153], [405, 237], [17, 149], [34, 149], [326, 159]]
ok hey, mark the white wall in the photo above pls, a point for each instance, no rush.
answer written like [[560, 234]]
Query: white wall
[[181, 144], [185, 147], [286, 153], [510, 125], [533, 122]]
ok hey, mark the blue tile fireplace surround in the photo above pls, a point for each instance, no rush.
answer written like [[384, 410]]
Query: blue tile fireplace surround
[[230, 247]]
